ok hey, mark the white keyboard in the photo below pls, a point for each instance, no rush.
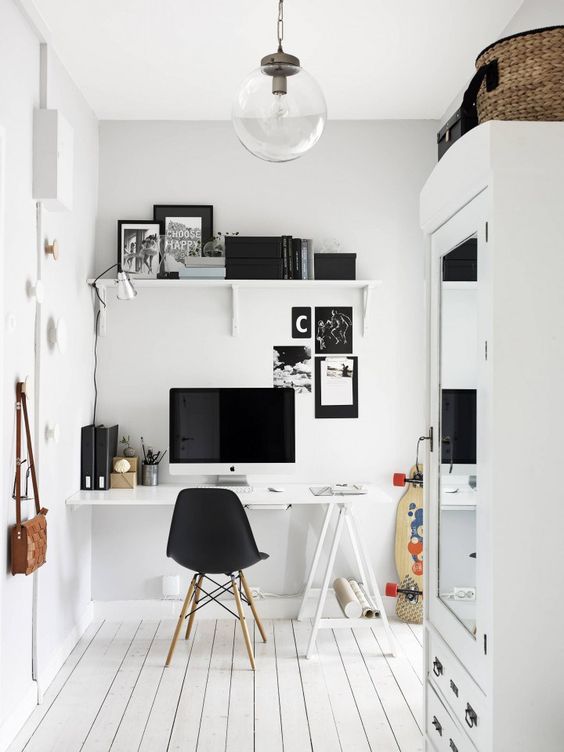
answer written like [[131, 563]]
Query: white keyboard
[[235, 489]]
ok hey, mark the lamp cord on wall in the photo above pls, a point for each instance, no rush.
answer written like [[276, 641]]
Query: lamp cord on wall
[[102, 302]]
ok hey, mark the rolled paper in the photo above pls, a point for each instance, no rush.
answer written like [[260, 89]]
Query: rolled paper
[[367, 609], [348, 601]]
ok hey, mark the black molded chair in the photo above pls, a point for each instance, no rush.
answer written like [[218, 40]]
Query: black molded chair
[[210, 534]]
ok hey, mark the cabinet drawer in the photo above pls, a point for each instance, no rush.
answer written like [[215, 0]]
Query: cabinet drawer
[[466, 701], [441, 729]]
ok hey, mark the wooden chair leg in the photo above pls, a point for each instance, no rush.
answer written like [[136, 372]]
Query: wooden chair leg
[[180, 620], [250, 598], [243, 622], [197, 595]]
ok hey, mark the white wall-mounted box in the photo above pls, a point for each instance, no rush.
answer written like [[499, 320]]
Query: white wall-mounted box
[[52, 160]]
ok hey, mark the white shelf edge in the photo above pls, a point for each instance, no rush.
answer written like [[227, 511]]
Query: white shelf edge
[[280, 283], [366, 285]]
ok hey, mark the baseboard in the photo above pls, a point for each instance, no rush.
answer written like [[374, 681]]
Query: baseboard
[[268, 608], [61, 654], [18, 716]]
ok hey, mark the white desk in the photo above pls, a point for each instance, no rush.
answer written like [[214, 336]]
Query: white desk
[[294, 493]]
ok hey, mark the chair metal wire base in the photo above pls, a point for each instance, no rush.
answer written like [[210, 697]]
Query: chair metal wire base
[[220, 589]]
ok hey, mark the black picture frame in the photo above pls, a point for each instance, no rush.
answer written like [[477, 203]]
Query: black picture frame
[[162, 213], [336, 411], [140, 265]]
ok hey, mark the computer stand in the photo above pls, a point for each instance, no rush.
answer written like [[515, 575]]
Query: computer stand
[[232, 480]]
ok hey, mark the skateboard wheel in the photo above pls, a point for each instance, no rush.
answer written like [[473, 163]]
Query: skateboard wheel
[[399, 479], [392, 589]]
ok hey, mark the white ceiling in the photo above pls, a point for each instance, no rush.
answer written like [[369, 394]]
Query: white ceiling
[[183, 59]]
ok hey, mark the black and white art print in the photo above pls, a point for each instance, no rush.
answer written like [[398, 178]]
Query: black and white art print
[[186, 229], [138, 248], [336, 387], [291, 367], [301, 322], [333, 330]]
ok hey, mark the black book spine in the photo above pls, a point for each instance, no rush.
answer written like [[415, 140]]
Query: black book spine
[[297, 254], [285, 256], [289, 244]]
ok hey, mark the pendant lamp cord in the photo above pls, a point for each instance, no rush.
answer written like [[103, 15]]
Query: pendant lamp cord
[[280, 25]]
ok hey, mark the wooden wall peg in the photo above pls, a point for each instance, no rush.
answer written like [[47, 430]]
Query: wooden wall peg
[[52, 249]]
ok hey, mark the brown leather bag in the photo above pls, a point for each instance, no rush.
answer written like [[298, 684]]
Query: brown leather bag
[[28, 539]]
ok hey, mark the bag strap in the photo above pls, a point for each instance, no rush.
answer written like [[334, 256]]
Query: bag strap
[[31, 461], [18, 483], [490, 72], [21, 406]]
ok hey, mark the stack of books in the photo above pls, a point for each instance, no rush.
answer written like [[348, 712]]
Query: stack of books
[[204, 267], [282, 257]]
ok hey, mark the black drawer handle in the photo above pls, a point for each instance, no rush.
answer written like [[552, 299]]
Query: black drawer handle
[[454, 687], [437, 725], [437, 667], [470, 716], [452, 745]]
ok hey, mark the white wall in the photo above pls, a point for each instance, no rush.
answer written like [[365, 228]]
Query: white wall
[[63, 585], [361, 185]]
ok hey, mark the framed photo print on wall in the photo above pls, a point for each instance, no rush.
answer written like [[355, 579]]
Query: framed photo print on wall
[[336, 387], [186, 229], [138, 247]]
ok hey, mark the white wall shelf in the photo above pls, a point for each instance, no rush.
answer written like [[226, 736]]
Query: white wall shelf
[[366, 285]]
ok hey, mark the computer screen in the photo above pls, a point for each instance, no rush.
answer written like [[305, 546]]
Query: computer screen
[[459, 426], [231, 426]]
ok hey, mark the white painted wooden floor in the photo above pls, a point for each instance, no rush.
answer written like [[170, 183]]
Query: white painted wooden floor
[[114, 694]]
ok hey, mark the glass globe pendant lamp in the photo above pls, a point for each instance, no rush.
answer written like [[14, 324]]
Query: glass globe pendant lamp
[[279, 112]]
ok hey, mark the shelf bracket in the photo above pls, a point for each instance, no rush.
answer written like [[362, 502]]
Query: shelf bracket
[[366, 294], [234, 310]]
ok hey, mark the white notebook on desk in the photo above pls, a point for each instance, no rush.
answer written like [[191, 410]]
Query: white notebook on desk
[[339, 489]]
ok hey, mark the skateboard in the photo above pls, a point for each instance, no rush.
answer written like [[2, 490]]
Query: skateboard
[[409, 548]]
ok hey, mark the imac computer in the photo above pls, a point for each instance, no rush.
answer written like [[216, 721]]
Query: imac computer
[[231, 432]]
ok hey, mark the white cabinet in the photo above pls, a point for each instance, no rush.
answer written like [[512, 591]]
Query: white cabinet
[[53, 163], [494, 503]]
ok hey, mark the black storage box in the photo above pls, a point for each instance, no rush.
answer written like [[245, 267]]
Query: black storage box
[[254, 268], [453, 129], [335, 266], [246, 247]]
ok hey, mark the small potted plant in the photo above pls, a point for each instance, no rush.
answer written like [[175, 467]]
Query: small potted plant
[[215, 247], [128, 451]]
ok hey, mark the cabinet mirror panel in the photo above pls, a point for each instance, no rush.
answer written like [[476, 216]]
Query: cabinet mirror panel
[[458, 382]]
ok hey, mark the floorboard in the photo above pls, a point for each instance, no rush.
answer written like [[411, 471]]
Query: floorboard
[[186, 727], [268, 722], [114, 693], [106, 723]]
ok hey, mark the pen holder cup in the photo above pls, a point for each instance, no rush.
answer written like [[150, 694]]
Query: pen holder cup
[[150, 475]]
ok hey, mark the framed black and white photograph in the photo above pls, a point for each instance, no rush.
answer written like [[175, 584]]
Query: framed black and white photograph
[[333, 330], [186, 229], [336, 387], [291, 367], [138, 248]]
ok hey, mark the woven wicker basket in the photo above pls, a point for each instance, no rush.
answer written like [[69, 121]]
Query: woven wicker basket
[[520, 77]]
